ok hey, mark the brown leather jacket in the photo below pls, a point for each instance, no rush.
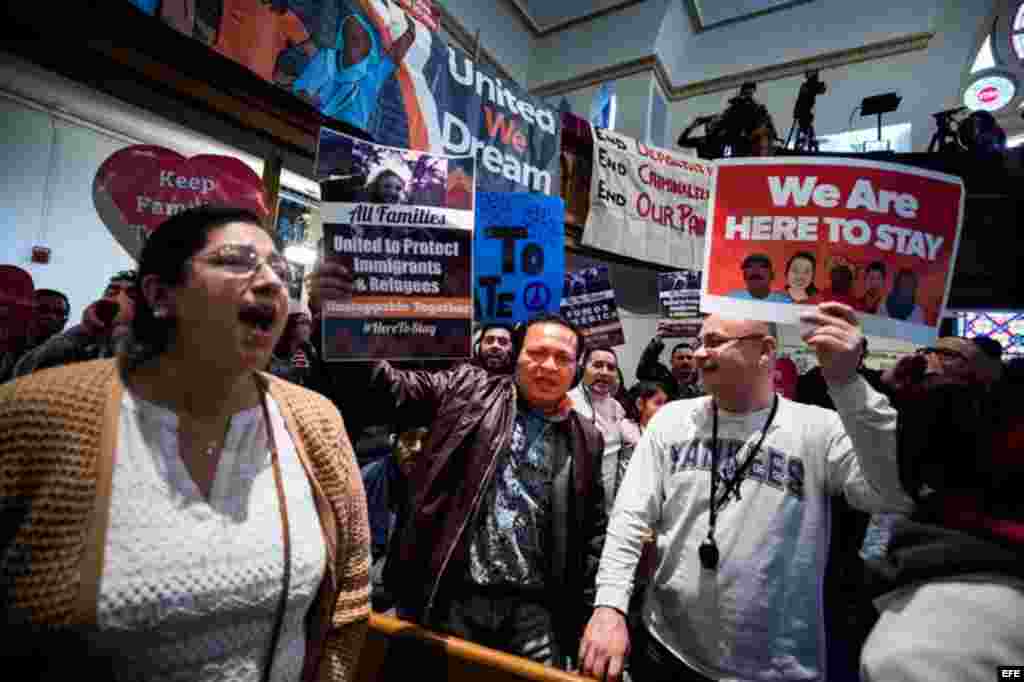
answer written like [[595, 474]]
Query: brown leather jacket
[[471, 415]]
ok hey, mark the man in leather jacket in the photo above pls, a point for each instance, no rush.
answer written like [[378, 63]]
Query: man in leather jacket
[[507, 517], [508, 513]]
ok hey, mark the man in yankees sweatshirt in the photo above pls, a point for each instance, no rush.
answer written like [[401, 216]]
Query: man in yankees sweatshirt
[[737, 589]]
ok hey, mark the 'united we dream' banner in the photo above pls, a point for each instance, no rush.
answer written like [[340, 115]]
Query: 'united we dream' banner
[[382, 67], [788, 233]]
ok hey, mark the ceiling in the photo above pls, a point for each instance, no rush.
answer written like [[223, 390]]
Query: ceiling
[[545, 16], [549, 15], [710, 13]]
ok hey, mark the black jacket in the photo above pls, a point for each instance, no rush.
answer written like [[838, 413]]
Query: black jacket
[[650, 369]]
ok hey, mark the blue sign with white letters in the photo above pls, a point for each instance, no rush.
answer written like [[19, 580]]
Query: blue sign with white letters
[[518, 256]]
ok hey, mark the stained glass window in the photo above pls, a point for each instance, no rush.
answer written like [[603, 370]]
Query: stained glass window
[[1018, 32], [1006, 328]]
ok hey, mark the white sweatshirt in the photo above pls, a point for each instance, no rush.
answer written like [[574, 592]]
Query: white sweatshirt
[[759, 616]]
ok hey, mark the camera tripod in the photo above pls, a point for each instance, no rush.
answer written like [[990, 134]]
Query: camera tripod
[[945, 138], [806, 140]]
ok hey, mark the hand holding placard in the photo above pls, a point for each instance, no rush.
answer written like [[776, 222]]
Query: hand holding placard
[[836, 338], [329, 282]]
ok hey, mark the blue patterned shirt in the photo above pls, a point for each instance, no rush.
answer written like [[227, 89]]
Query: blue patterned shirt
[[510, 541]]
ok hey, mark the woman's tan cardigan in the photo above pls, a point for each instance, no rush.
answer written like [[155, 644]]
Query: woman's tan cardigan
[[58, 433]]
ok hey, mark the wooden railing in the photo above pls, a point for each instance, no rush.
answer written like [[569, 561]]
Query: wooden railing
[[399, 651]]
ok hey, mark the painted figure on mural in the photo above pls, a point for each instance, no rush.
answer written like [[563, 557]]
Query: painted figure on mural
[[345, 81]]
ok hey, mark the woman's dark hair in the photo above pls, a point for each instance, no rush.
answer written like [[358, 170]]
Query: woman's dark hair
[[878, 266], [806, 255], [621, 394], [643, 390], [374, 185], [902, 274], [166, 254]]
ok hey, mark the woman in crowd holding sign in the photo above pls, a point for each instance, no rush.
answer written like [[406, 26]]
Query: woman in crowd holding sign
[[176, 513]]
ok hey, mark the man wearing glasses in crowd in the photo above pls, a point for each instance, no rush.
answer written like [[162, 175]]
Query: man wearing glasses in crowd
[[952, 359], [736, 592]]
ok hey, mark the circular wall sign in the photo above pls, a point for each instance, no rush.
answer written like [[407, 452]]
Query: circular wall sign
[[989, 93]]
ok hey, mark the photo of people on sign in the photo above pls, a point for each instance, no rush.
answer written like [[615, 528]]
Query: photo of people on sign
[[375, 174], [412, 263], [679, 299], [786, 233], [519, 256], [588, 301]]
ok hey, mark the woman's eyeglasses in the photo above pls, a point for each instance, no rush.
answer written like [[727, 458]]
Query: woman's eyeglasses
[[245, 261]]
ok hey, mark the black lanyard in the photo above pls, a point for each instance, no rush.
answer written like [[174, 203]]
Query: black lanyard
[[708, 551]]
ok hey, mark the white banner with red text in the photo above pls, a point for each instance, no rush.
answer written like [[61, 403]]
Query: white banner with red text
[[647, 203]]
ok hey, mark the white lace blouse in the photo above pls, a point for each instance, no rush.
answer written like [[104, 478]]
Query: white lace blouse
[[190, 587]]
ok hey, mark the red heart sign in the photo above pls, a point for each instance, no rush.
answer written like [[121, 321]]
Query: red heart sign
[[139, 187]]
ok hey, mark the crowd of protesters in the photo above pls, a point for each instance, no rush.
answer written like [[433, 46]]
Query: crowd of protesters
[[188, 483]]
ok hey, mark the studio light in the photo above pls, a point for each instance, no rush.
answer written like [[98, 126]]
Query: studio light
[[876, 105]]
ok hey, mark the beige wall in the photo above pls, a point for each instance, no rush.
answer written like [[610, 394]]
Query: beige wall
[[634, 96]]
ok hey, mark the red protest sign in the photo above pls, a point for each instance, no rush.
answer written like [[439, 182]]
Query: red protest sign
[[879, 237], [139, 187]]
